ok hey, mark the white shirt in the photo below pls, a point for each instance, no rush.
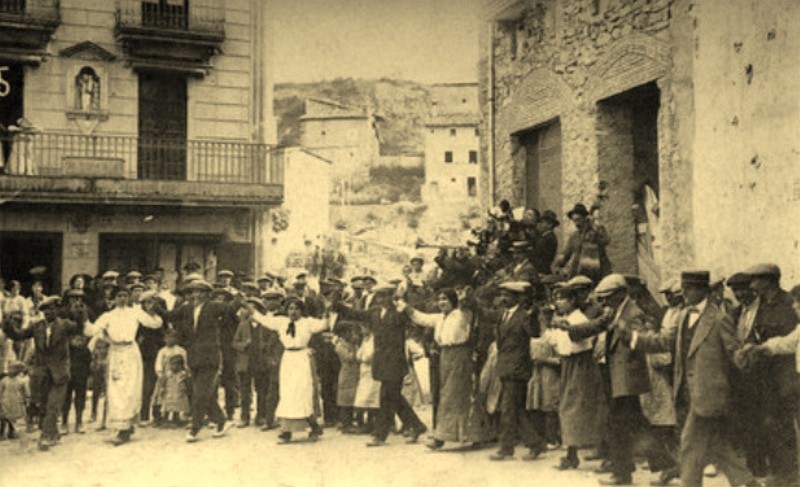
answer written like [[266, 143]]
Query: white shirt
[[746, 319], [507, 314], [305, 328], [121, 324], [561, 341], [694, 312], [196, 314], [449, 330]]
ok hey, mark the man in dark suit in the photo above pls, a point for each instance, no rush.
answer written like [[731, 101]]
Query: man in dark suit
[[545, 246], [50, 366], [627, 371], [389, 365], [513, 332], [704, 347], [198, 322]]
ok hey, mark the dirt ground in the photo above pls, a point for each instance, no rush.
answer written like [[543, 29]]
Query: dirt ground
[[249, 457]]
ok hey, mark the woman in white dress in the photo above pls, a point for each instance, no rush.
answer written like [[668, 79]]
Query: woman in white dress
[[296, 404], [124, 383]]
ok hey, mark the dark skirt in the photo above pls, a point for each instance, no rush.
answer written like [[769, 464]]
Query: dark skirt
[[459, 417], [583, 407]]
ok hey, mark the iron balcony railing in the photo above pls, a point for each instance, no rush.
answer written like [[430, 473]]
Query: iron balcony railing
[[202, 16], [29, 11], [125, 157]]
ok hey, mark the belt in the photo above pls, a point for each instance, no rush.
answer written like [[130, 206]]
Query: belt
[[296, 349], [455, 345], [121, 344]]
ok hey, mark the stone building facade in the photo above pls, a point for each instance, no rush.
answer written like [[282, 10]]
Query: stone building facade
[[139, 136], [674, 116]]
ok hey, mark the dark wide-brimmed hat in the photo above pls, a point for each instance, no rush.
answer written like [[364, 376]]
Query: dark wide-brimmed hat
[[578, 210], [550, 216]]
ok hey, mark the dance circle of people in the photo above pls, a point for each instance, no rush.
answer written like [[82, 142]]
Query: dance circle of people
[[525, 345]]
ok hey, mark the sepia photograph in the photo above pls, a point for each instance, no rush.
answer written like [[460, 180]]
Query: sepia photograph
[[402, 243]]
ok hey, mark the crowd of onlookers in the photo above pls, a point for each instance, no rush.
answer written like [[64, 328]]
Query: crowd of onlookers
[[525, 344]]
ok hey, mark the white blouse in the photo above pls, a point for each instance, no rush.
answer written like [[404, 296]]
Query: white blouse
[[561, 341], [305, 328], [449, 330], [121, 324]]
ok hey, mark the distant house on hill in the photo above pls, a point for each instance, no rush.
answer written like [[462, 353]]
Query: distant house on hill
[[347, 136]]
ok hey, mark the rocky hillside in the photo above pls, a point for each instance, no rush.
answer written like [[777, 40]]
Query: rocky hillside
[[403, 104]]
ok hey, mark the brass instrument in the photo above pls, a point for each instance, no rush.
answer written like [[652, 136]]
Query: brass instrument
[[421, 244]]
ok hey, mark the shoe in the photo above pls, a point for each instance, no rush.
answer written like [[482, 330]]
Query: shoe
[[554, 446], [376, 442], [260, 422], [435, 445], [79, 429], [222, 429], [604, 467], [533, 454], [313, 436], [12, 435], [614, 480], [270, 426], [121, 438], [43, 445], [191, 437], [710, 471], [567, 463], [285, 437], [664, 479], [243, 423], [500, 456], [415, 433]]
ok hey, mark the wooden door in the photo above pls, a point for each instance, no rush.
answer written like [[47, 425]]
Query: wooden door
[[162, 126]]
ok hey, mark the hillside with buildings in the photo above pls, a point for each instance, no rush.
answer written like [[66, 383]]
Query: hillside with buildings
[[403, 105]]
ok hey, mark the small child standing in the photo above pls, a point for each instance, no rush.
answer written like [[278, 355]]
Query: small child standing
[[167, 384], [176, 390], [346, 348], [14, 395], [99, 370]]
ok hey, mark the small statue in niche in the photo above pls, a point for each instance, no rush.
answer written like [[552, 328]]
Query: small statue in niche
[[87, 88]]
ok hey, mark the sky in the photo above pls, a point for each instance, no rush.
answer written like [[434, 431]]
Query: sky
[[430, 41]]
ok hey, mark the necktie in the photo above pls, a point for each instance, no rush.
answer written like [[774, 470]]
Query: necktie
[[291, 330]]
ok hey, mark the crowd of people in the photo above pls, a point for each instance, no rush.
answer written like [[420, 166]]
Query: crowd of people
[[525, 345]]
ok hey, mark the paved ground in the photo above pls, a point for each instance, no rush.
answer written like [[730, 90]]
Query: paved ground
[[249, 457]]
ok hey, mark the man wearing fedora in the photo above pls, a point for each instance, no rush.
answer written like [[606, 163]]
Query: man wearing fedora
[[704, 347], [585, 250], [198, 321], [49, 368], [545, 247]]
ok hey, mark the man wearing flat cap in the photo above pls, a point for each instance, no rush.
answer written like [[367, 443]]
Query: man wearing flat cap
[[775, 380], [513, 331], [389, 365], [627, 370], [49, 367], [704, 347], [198, 322]]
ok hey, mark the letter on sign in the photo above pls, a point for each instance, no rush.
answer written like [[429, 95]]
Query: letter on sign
[[5, 88]]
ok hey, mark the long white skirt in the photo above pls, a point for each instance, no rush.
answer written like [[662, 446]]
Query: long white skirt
[[124, 385], [296, 385]]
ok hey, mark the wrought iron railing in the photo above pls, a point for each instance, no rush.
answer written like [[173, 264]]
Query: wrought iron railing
[[111, 156], [29, 11], [181, 15]]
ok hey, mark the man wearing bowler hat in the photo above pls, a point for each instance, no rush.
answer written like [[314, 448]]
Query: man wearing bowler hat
[[704, 347]]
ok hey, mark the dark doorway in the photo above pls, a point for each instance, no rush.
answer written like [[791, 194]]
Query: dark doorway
[[12, 87], [541, 147], [21, 252], [629, 163], [162, 126]]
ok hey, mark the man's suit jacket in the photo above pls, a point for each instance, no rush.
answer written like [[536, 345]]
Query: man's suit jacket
[[513, 338], [708, 367], [389, 363], [627, 368], [775, 318], [202, 343], [53, 359], [544, 252]]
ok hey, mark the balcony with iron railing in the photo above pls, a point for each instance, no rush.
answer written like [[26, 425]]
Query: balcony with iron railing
[[91, 168], [179, 35], [26, 27]]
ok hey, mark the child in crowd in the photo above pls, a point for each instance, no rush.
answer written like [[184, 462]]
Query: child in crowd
[[368, 392], [544, 386], [175, 399], [168, 383], [346, 348], [14, 395], [99, 369]]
